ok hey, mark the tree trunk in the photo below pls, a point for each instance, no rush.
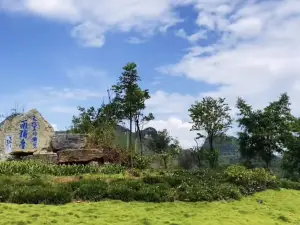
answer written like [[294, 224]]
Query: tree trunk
[[165, 162], [140, 136], [210, 139], [130, 141]]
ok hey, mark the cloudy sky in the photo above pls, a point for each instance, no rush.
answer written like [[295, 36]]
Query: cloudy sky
[[58, 54]]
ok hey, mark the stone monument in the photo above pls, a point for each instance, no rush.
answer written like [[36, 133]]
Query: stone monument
[[25, 134], [30, 136]]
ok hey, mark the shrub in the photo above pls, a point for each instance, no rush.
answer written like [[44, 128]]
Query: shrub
[[154, 179], [151, 193], [113, 169], [194, 193], [5, 191], [40, 195], [134, 172], [251, 181], [91, 191], [290, 184], [35, 167], [142, 162], [119, 191]]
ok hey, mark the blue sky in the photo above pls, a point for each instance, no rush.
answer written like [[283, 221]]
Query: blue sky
[[57, 55]]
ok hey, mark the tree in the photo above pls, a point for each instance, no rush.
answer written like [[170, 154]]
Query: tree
[[211, 116], [291, 157], [198, 153], [139, 117], [247, 120], [164, 145], [264, 132], [131, 98], [100, 124]]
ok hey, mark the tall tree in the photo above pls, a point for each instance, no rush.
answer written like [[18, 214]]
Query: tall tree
[[264, 132], [291, 157], [164, 145], [210, 116], [247, 119], [131, 98], [140, 118]]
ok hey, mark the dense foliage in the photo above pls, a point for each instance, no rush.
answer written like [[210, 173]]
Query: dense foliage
[[200, 185], [211, 116], [35, 168]]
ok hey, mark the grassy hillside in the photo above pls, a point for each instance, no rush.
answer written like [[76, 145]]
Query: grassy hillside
[[279, 207]]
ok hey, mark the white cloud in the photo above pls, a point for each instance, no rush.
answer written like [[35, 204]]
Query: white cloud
[[93, 18], [248, 27], [89, 34], [193, 37]]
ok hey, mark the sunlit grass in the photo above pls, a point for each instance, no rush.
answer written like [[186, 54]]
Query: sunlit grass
[[278, 207]]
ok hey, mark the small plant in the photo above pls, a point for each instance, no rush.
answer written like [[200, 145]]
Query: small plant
[[142, 162], [94, 190], [112, 169]]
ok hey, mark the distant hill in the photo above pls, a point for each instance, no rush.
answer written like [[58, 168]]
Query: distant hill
[[227, 145]]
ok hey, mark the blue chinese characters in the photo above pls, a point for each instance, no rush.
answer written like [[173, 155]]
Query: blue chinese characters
[[23, 134], [35, 126]]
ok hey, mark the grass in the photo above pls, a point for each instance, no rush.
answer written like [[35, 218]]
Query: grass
[[278, 207]]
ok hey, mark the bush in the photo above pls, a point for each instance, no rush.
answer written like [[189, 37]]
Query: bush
[[5, 191], [40, 195], [151, 193], [95, 190], [113, 169], [36, 167], [209, 193], [142, 162], [119, 191], [154, 180], [251, 181], [290, 184]]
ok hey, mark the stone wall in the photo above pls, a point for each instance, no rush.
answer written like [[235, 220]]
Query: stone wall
[[25, 134]]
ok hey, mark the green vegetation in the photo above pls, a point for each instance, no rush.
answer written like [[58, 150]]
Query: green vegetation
[[114, 182], [211, 116], [277, 207], [36, 168]]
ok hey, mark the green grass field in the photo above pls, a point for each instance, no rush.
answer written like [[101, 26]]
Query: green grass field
[[279, 207]]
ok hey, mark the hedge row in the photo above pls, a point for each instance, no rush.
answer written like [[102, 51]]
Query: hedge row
[[36, 167], [204, 185]]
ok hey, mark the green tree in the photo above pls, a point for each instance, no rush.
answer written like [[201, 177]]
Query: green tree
[[264, 132], [99, 124], [131, 99], [162, 144], [140, 118], [291, 156], [210, 116], [198, 154]]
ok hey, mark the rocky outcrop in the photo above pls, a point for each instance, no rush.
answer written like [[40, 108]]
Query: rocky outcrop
[[79, 156], [61, 142], [48, 157], [25, 133]]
